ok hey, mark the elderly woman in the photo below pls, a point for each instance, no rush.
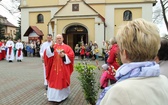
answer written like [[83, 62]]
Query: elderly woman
[[113, 55], [138, 80], [162, 57]]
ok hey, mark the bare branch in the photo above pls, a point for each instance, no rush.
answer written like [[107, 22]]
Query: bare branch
[[6, 8], [166, 8], [164, 12], [13, 10], [165, 3], [156, 18]]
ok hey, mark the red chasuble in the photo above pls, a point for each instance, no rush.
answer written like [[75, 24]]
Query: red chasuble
[[57, 72]]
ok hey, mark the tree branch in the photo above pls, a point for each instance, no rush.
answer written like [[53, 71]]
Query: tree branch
[[166, 8], [156, 18], [164, 14], [6, 8], [9, 10], [165, 3]]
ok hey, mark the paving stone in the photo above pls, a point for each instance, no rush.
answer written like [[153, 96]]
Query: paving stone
[[22, 84]]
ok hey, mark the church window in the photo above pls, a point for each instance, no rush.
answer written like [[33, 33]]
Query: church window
[[40, 18], [127, 16]]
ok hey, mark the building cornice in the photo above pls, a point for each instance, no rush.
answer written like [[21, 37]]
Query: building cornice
[[120, 3], [48, 6], [77, 16]]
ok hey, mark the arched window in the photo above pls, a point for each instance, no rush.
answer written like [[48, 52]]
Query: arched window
[[40, 18], [127, 16]]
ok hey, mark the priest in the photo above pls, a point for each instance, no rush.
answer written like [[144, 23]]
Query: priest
[[59, 62]]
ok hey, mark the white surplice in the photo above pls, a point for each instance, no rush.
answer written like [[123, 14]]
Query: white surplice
[[10, 44], [42, 49], [18, 46]]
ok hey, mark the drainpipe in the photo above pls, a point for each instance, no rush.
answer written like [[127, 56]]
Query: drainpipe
[[105, 30]]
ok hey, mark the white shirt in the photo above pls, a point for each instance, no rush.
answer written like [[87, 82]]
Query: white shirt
[[43, 47]]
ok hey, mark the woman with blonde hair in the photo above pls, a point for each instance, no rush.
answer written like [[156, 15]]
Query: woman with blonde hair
[[138, 80]]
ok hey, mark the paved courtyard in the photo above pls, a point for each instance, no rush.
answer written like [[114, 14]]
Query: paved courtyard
[[22, 84]]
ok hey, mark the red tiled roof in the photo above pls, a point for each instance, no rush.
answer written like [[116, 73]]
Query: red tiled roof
[[35, 29]]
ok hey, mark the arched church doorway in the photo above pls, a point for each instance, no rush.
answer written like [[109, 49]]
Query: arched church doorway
[[75, 34]]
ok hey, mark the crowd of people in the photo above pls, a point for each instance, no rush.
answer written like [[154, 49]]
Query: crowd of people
[[87, 51], [11, 49], [31, 48]]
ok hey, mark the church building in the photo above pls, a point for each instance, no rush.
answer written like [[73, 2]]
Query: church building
[[80, 20]]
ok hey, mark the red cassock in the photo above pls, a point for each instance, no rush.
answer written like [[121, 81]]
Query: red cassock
[[57, 72], [3, 52], [1, 56]]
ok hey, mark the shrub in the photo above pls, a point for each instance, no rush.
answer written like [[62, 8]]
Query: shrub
[[88, 81]]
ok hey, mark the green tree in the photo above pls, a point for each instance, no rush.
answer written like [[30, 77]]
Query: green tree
[[2, 32], [18, 31]]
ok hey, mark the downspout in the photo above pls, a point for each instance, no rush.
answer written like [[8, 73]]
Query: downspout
[[105, 30]]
